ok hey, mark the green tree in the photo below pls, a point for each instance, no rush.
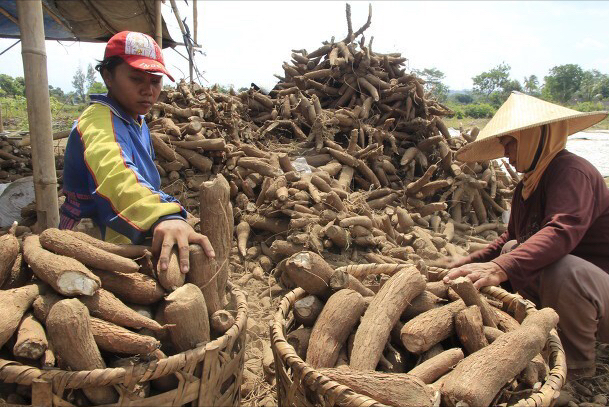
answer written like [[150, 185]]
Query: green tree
[[433, 82], [90, 77], [603, 87], [491, 81], [590, 87], [97, 87], [498, 97], [78, 81], [531, 84], [57, 93], [562, 82], [12, 86], [464, 98]]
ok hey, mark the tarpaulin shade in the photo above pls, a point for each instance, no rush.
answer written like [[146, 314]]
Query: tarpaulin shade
[[87, 20]]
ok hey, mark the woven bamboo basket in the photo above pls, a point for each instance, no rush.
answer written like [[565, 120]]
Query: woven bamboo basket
[[300, 385], [209, 375]]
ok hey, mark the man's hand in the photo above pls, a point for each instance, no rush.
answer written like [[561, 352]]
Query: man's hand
[[175, 231], [481, 274]]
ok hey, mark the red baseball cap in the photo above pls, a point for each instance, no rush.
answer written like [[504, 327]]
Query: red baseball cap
[[139, 50]]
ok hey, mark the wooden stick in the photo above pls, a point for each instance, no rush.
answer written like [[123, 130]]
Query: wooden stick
[[39, 111]]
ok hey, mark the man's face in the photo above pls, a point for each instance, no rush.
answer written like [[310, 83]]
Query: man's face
[[510, 145], [136, 91]]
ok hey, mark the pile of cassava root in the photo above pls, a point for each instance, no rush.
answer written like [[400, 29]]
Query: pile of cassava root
[[73, 302], [347, 157], [16, 161], [425, 340]]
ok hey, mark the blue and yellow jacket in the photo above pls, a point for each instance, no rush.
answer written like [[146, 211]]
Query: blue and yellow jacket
[[109, 175]]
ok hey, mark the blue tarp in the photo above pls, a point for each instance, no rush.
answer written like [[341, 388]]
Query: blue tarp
[[52, 29]]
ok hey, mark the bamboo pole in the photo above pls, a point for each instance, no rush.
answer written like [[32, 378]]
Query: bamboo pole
[[195, 23], [34, 56], [158, 23]]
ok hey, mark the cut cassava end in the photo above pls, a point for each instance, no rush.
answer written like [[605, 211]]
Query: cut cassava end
[[66, 275], [478, 378], [382, 314], [310, 272], [13, 305], [69, 329], [340, 314], [185, 309], [31, 342], [104, 305], [434, 368], [66, 244], [221, 321], [392, 389], [307, 310]]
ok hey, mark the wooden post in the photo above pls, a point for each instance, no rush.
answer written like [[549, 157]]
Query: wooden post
[[34, 56], [158, 23], [195, 21], [1, 121]]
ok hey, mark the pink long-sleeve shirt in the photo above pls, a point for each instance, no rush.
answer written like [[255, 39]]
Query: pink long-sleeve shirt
[[567, 214]]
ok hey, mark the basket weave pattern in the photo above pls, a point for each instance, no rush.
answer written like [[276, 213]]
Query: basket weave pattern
[[300, 385], [208, 375]]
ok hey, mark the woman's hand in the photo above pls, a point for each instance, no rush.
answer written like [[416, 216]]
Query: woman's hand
[[177, 232], [481, 274]]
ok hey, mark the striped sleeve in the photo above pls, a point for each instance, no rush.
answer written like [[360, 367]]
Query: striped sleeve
[[127, 203]]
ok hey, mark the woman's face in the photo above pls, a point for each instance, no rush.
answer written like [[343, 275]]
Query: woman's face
[[136, 91], [510, 145]]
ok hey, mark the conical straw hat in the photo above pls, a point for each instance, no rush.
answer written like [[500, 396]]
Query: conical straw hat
[[522, 112]]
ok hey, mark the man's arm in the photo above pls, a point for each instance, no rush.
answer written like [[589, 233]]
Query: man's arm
[[127, 202]]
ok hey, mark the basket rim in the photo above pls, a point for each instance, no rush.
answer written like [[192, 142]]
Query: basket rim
[[543, 396], [14, 372]]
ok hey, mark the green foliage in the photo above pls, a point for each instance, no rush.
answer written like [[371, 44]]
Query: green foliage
[[492, 81], [78, 81], [531, 84], [588, 106], [90, 78], [433, 82], [97, 87], [464, 98], [562, 82], [593, 85], [479, 110], [12, 86]]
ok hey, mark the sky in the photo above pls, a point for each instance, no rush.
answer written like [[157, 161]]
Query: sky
[[247, 41]]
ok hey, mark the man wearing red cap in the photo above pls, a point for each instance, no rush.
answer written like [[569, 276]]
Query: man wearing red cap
[[109, 173]]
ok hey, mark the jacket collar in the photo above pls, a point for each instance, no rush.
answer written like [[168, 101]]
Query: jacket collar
[[104, 99]]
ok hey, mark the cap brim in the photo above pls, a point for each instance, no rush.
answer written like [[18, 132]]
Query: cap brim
[[147, 64]]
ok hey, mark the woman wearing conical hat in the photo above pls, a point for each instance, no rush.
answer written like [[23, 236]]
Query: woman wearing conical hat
[[555, 251]]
